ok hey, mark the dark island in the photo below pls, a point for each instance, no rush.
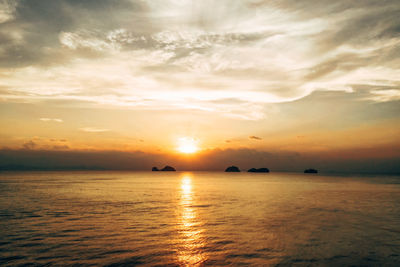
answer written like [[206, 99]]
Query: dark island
[[258, 170], [168, 169], [232, 169], [310, 171], [165, 169]]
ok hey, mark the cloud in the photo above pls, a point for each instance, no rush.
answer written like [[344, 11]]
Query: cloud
[[255, 137], [50, 119], [385, 95], [57, 140], [93, 130], [194, 55], [60, 147], [29, 145], [7, 10]]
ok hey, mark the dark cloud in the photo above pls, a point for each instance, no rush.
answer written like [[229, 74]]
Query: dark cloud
[[356, 23], [362, 28], [39, 22], [342, 62], [317, 8], [58, 140], [255, 137], [37, 25], [60, 147]]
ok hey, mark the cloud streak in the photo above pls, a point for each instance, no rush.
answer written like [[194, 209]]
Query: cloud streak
[[93, 130], [50, 120]]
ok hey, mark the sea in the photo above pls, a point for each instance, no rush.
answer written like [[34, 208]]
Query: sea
[[101, 218]]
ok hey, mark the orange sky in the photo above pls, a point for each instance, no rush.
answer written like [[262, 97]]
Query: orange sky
[[314, 77]]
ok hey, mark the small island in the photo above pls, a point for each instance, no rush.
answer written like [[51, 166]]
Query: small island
[[258, 170], [168, 169], [232, 169], [165, 169], [310, 171]]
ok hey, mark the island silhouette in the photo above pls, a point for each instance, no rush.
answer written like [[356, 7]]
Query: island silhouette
[[232, 169], [310, 171], [165, 169], [258, 170]]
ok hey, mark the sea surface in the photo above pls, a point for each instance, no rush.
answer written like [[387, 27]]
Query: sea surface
[[198, 219]]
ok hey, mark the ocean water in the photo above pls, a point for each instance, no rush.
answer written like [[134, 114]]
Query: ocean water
[[198, 219]]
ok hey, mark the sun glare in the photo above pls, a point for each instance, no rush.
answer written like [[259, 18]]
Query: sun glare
[[187, 145]]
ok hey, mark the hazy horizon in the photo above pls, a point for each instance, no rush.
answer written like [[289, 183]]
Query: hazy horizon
[[212, 160]]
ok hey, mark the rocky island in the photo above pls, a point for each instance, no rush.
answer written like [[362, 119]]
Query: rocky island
[[165, 169], [168, 169], [310, 171], [232, 169], [258, 170]]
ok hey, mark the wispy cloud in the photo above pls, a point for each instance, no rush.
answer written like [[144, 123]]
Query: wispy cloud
[[255, 137], [7, 10], [385, 95], [60, 147], [93, 130], [51, 119]]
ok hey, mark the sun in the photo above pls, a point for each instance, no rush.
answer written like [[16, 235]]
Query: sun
[[187, 145]]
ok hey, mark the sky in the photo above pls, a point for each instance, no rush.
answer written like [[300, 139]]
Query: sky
[[283, 84]]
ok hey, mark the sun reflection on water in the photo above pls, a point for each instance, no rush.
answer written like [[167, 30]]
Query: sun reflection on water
[[191, 253]]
